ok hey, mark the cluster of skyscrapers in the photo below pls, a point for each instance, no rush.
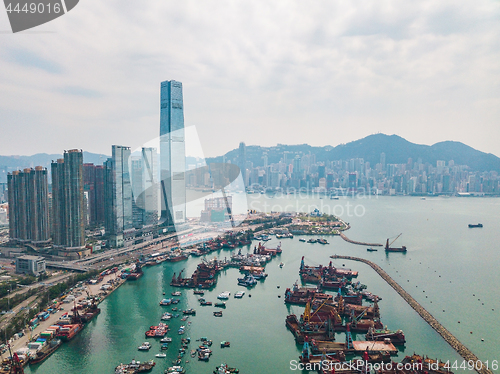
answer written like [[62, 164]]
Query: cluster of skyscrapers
[[300, 170], [127, 194]]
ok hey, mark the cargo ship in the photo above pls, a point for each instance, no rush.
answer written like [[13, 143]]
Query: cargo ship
[[45, 352], [68, 332]]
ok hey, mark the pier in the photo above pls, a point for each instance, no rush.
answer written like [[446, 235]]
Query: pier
[[342, 235], [433, 322]]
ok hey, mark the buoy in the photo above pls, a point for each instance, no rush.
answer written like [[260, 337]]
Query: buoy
[[471, 332], [458, 321], [249, 295], [483, 303], [279, 296], [482, 340], [443, 310], [440, 276], [423, 291], [277, 286]]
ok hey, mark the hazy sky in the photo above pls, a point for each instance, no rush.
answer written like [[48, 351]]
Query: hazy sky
[[262, 72]]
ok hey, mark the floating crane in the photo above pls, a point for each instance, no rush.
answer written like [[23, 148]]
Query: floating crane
[[388, 247]]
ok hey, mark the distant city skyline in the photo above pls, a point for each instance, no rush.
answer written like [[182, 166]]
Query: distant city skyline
[[322, 74]]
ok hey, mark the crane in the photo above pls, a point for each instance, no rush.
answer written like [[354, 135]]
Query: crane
[[393, 240]]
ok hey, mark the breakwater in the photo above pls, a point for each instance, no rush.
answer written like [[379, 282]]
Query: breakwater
[[461, 349], [342, 235]]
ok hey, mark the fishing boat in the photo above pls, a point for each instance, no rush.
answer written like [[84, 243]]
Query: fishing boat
[[189, 312], [302, 240], [166, 340], [199, 292], [176, 293], [205, 303], [371, 249], [225, 344], [166, 302], [311, 241], [218, 314], [175, 370], [220, 305], [161, 355], [164, 346]]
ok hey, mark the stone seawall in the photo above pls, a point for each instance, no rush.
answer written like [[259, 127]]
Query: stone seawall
[[433, 322]]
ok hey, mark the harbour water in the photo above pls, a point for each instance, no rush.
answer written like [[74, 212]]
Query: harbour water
[[450, 269]]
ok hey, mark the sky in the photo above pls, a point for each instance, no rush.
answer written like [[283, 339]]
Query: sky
[[262, 72]]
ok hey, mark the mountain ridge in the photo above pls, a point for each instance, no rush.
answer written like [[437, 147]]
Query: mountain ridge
[[397, 150]]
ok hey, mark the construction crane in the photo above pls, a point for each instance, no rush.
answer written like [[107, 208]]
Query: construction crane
[[393, 240], [15, 364]]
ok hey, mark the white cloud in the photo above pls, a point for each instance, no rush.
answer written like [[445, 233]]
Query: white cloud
[[319, 72]]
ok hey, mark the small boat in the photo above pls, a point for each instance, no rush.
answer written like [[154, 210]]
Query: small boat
[[218, 314], [225, 344], [311, 241], [166, 340], [160, 355], [193, 353], [220, 305], [189, 312], [135, 367], [164, 346], [281, 265], [224, 369], [166, 316], [205, 303], [166, 302], [175, 370], [302, 240], [239, 294], [144, 346], [174, 309], [473, 226], [176, 293], [224, 295], [199, 292], [371, 249]]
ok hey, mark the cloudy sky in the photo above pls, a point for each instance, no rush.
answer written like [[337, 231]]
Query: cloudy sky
[[262, 72]]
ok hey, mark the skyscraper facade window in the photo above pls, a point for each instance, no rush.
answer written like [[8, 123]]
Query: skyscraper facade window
[[172, 154]]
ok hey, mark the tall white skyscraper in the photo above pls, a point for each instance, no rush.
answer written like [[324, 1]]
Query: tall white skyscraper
[[172, 154]]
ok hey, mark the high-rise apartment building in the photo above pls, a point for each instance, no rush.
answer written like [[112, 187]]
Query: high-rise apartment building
[[68, 208], [172, 154], [29, 206], [93, 185], [118, 196]]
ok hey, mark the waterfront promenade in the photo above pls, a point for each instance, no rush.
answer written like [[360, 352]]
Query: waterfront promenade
[[433, 322]]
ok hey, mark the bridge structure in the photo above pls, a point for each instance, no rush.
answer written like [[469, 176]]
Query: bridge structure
[[66, 266]]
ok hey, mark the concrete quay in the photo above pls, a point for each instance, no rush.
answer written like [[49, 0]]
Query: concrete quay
[[433, 322]]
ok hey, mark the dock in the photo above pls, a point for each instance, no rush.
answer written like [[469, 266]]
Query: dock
[[342, 235], [461, 349]]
